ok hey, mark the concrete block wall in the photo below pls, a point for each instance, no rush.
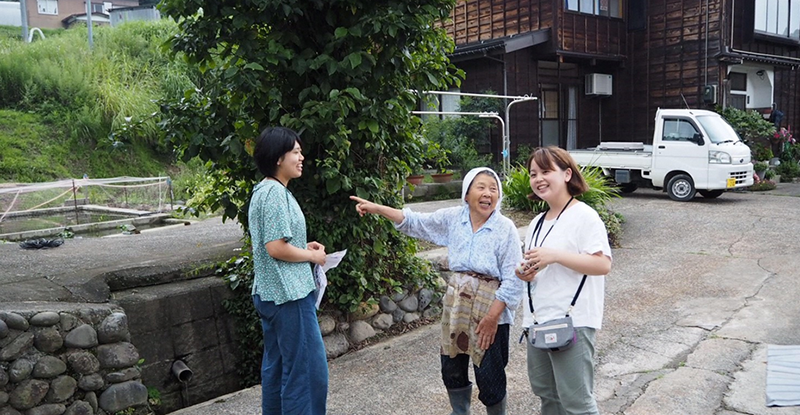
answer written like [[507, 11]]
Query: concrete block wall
[[185, 321]]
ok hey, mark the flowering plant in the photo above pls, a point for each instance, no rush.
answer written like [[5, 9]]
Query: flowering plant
[[783, 136]]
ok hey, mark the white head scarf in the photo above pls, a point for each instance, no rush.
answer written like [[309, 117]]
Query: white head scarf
[[465, 184]]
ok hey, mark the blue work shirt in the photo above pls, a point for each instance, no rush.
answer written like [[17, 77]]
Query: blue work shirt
[[494, 250]]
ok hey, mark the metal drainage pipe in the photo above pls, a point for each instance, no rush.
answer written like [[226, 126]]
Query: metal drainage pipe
[[181, 371]]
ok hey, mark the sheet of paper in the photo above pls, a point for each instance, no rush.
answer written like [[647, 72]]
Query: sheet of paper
[[320, 279]]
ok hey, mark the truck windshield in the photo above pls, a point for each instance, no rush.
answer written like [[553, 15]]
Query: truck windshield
[[717, 129]]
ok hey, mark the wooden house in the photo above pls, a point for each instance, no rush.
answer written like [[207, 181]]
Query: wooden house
[[601, 68]]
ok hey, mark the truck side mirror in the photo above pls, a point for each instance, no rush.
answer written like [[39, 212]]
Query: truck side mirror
[[697, 138]]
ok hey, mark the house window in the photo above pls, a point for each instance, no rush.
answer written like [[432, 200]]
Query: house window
[[47, 7], [548, 117], [612, 8], [778, 17], [98, 8]]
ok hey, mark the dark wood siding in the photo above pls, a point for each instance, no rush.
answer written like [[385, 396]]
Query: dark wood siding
[[588, 34], [669, 64], [473, 21]]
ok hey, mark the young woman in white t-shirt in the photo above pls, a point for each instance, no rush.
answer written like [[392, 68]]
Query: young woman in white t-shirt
[[571, 242]]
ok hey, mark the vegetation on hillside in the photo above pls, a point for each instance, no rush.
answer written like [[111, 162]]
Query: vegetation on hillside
[[70, 110]]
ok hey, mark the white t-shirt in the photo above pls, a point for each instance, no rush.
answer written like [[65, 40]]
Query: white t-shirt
[[579, 230]]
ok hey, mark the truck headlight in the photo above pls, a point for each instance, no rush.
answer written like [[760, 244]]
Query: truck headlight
[[718, 157]]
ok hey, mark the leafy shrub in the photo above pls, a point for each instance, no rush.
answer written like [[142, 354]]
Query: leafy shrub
[[788, 170], [516, 188], [761, 152], [750, 125]]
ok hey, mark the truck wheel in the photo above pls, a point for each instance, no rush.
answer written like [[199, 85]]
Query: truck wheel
[[711, 194], [681, 188], [628, 187]]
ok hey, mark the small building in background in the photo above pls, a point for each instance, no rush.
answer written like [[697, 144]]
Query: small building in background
[[121, 15]]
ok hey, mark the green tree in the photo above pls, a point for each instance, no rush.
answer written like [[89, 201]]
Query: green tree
[[338, 72]]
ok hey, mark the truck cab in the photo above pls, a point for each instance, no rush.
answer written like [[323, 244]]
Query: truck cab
[[692, 151]]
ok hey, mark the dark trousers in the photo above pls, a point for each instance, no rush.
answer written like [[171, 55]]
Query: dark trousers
[[490, 376]]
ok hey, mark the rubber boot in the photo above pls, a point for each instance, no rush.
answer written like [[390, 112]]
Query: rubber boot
[[497, 409], [460, 399]]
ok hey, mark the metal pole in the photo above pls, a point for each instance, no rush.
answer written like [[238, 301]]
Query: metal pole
[[23, 11], [507, 133], [171, 196], [89, 21], [75, 201]]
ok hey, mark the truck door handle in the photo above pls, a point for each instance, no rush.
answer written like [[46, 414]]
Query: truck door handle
[[662, 147]]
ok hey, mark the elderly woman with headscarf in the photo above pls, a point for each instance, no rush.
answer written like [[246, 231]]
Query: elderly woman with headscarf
[[483, 251]]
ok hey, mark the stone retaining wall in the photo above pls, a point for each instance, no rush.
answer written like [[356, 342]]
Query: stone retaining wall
[[340, 332], [72, 359]]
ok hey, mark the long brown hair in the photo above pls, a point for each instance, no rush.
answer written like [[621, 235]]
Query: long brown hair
[[552, 156]]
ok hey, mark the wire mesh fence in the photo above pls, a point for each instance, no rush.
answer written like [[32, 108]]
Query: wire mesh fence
[[143, 194]]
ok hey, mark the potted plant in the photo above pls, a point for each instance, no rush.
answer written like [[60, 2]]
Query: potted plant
[[760, 167]]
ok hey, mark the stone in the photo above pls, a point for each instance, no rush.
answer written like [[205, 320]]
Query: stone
[[7, 410], [48, 340], [18, 346], [3, 329], [335, 345], [16, 321], [410, 318], [3, 377], [80, 408], [83, 362], [91, 397], [432, 312], [49, 367], [386, 304], [91, 382], [382, 321], [114, 329], [396, 297], [45, 319], [123, 375], [364, 311], [425, 296], [28, 393], [122, 396], [61, 389], [3, 398], [342, 326], [397, 315], [409, 304], [68, 321], [20, 370], [47, 409], [117, 355], [81, 337], [359, 331], [327, 324]]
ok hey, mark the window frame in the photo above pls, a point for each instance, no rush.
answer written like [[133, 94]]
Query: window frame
[[778, 18]]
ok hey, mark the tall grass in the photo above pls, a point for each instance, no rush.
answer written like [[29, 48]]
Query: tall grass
[[98, 90], [100, 101]]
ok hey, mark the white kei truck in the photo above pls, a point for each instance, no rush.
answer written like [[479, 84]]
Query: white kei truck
[[693, 151]]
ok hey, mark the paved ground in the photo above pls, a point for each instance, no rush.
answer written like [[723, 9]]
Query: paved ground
[[697, 292]]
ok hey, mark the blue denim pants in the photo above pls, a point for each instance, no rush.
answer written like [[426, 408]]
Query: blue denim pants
[[294, 369], [490, 376]]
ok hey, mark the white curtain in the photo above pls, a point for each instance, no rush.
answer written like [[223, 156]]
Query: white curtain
[[572, 119]]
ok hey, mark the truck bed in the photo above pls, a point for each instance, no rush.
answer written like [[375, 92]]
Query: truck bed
[[616, 155]]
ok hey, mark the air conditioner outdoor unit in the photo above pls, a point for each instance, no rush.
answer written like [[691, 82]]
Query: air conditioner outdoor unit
[[598, 84]]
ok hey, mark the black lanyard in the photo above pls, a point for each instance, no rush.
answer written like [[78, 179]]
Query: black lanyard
[[537, 230]]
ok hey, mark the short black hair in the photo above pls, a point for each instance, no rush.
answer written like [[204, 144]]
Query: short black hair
[[271, 145]]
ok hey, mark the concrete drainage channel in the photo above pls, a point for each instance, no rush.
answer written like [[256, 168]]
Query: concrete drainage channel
[[17, 226]]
